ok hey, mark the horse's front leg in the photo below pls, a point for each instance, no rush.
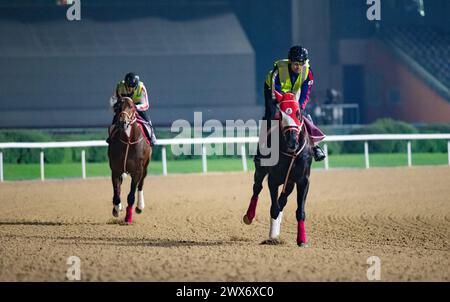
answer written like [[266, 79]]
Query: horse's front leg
[[116, 178], [135, 179], [275, 214], [141, 204], [282, 200], [302, 193], [258, 177]]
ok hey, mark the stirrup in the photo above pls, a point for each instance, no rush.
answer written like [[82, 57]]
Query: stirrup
[[318, 153]]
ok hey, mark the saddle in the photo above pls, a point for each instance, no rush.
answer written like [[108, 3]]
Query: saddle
[[143, 123], [314, 132]]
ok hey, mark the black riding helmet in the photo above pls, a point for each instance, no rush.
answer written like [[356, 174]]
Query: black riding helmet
[[131, 80], [298, 54]]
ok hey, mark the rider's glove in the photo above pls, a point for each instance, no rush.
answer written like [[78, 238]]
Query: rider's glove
[[112, 101]]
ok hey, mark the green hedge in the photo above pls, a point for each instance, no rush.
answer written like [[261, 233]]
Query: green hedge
[[382, 126], [433, 145], [30, 155], [385, 126]]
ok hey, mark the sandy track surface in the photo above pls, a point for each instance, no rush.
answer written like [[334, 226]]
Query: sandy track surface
[[192, 229]]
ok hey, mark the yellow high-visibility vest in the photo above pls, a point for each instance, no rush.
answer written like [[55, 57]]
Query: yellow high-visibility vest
[[136, 97], [285, 79]]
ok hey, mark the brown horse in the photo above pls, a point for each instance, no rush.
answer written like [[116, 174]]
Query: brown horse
[[129, 152]]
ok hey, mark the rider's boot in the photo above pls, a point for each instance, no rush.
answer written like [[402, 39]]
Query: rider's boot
[[319, 155], [150, 134], [152, 137]]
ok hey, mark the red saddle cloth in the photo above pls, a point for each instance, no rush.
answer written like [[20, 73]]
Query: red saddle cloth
[[315, 133]]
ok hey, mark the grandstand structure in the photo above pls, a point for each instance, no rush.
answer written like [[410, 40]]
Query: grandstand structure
[[396, 67], [212, 56], [192, 55]]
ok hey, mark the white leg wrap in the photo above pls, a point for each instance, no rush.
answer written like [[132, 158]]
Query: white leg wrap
[[118, 207], [275, 225], [141, 203]]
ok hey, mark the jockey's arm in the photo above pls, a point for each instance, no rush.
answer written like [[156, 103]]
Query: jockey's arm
[[143, 101], [277, 93], [113, 99], [306, 90]]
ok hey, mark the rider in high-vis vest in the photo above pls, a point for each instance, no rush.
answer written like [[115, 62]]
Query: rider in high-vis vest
[[293, 75], [133, 88]]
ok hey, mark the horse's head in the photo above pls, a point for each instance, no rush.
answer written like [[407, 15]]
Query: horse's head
[[126, 111], [291, 121]]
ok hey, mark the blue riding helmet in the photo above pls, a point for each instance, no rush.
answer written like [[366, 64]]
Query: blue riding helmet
[[298, 54], [131, 80]]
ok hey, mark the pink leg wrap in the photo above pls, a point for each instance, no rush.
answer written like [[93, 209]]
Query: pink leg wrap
[[251, 212], [129, 216], [301, 234]]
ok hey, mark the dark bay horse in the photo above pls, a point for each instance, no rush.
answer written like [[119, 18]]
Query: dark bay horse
[[129, 152], [293, 169]]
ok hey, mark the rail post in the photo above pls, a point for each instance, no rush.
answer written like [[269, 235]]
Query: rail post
[[409, 154], [41, 157], [366, 154], [244, 158], [1, 166], [448, 152], [204, 163], [164, 160], [325, 149], [83, 164]]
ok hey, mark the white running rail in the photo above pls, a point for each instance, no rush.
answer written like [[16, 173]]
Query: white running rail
[[221, 140]]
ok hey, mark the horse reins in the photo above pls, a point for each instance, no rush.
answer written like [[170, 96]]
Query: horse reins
[[129, 143], [294, 157]]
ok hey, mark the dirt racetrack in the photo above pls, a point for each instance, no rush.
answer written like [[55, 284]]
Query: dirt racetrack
[[192, 229]]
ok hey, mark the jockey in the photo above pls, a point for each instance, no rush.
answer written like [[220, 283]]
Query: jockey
[[133, 88], [292, 75]]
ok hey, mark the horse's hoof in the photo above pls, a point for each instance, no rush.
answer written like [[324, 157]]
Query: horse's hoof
[[115, 213], [138, 211], [302, 244], [246, 220]]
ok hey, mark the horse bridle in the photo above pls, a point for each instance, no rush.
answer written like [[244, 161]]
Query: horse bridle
[[296, 128], [295, 154], [129, 116], [132, 117]]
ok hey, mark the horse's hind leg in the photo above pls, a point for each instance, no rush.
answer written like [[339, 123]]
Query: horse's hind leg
[[302, 193], [116, 182], [141, 204], [260, 173]]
